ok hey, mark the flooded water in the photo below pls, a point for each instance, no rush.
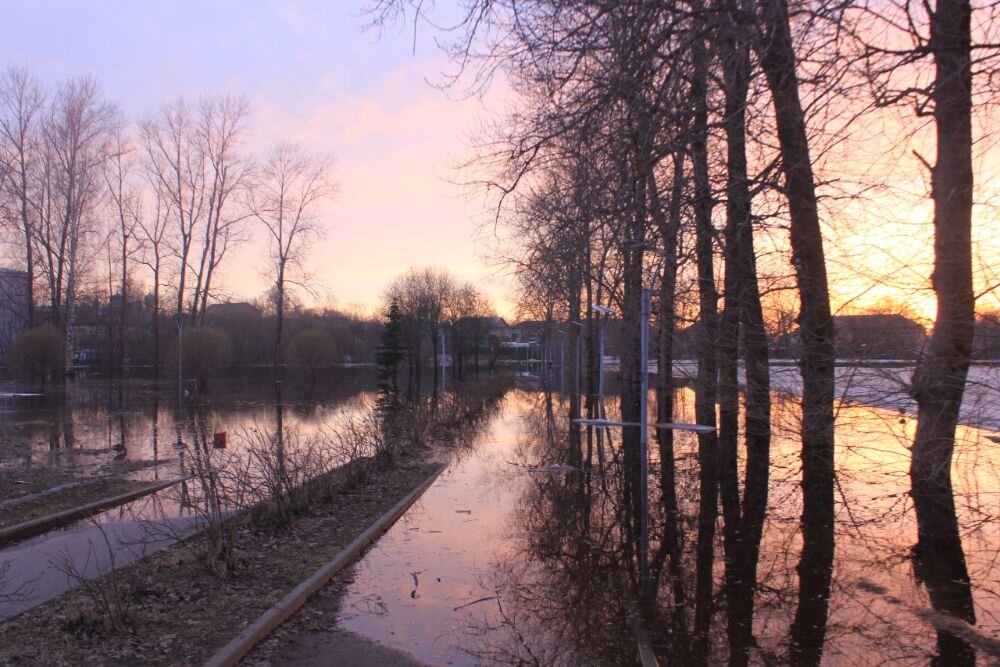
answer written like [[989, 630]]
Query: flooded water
[[525, 550], [91, 427], [522, 553], [91, 423]]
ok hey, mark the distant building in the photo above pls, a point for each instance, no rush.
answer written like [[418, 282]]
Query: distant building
[[13, 307], [496, 327], [530, 331]]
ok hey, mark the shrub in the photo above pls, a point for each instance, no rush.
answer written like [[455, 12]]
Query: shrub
[[206, 353], [38, 353], [313, 349]]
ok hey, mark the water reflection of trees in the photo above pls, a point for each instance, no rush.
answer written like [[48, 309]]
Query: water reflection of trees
[[571, 591], [85, 419], [562, 593]]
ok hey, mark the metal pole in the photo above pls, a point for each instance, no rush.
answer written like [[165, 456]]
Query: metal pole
[[441, 339], [600, 373], [562, 365], [179, 320], [180, 364], [644, 448], [578, 337]]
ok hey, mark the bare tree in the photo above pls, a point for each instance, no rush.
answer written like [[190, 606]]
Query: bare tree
[[940, 377], [153, 225], [22, 105], [221, 125], [424, 297], [77, 135], [176, 168], [126, 205], [284, 200], [778, 62]]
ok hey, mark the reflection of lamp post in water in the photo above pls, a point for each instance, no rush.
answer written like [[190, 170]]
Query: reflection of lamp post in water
[[601, 423]]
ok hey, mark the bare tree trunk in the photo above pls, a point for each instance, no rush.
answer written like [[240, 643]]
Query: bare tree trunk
[[939, 381], [156, 318], [706, 383], [279, 313], [669, 228], [777, 59], [744, 525]]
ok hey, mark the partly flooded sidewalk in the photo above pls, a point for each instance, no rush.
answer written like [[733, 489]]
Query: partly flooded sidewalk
[[43, 567], [426, 592]]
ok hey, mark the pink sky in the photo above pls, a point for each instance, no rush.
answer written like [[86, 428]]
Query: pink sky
[[315, 77]]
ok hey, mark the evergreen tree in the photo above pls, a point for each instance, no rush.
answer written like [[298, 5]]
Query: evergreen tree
[[390, 353]]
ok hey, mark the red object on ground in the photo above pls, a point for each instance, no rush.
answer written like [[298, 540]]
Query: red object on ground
[[220, 440]]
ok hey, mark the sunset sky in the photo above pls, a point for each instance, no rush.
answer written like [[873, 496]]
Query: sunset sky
[[313, 75]]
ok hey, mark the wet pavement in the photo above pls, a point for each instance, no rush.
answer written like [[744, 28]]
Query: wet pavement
[[43, 567], [427, 581]]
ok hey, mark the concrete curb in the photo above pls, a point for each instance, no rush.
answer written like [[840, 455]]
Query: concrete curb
[[26, 529], [232, 652], [646, 654]]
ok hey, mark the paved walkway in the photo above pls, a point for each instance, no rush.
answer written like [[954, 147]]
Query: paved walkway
[[342, 648]]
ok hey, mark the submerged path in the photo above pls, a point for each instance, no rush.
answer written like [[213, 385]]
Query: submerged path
[[424, 592], [513, 556]]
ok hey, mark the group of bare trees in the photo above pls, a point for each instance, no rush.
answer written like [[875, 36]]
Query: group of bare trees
[[686, 148], [94, 204], [435, 309]]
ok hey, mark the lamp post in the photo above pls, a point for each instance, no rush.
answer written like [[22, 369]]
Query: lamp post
[[579, 335], [441, 340], [179, 320], [562, 362], [604, 310], [643, 425], [644, 447]]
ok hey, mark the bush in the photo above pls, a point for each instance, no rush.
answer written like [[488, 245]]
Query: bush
[[38, 353], [206, 353], [313, 349]]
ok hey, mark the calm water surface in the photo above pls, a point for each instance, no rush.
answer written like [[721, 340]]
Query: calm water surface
[[85, 425], [507, 560]]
